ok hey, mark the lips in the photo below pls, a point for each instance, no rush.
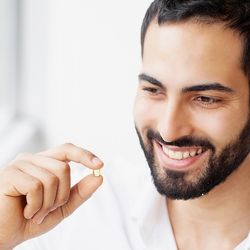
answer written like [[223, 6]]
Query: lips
[[179, 158]]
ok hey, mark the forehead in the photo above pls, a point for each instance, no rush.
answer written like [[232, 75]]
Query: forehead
[[181, 52]]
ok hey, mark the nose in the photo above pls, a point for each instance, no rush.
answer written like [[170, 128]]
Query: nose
[[174, 122]]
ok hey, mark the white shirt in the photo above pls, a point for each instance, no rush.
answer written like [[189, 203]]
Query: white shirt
[[126, 213]]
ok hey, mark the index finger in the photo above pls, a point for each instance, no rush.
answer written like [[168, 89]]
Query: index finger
[[70, 152]]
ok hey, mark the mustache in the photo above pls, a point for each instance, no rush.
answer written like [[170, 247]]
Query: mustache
[[185, 141]]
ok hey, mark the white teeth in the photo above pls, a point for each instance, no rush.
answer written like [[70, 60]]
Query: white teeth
[[171, 154], [166, 150], [199, 151], [178, 155], [185, 155], [193, 153]]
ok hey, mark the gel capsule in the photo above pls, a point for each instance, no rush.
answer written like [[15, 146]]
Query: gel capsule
[[97, 172]]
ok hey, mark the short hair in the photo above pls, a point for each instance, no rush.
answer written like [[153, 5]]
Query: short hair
[[234, 13]]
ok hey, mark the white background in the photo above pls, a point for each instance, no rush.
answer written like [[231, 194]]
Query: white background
[[79, 62]]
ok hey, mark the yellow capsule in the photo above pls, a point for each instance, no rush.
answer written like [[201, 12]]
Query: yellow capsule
[[97, 172]]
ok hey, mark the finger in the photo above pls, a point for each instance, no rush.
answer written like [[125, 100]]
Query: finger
[[19, 183], [80, 193], [58, 168], [69, 152], [50, 184]]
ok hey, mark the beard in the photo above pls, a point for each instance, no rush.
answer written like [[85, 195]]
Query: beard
[[192, 184]]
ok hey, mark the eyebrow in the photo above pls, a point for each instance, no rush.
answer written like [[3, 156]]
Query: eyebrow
[[202, 87], [150, 79], [208, 86]]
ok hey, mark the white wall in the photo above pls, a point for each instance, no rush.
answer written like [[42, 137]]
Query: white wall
[[8, 20], [80, 65]]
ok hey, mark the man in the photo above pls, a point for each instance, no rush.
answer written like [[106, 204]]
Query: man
[[192, 118]]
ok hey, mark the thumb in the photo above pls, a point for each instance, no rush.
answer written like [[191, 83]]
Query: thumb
[[80, 192]]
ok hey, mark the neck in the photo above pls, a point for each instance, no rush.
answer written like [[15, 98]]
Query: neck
[[225, 210]]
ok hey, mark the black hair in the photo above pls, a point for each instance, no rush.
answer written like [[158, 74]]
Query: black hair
[[234, 14]]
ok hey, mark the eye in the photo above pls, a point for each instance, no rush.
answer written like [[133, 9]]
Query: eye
[[207, 100], [151, 90]]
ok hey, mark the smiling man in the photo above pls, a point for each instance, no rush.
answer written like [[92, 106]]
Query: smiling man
[[192, 117], [192, 107]]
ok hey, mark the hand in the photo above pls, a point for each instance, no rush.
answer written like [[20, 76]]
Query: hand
[[35, 192]]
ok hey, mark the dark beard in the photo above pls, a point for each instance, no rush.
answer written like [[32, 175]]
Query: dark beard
[[178, 185]]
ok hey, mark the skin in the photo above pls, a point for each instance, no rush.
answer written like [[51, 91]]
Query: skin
[[182, 55], [44, 180]]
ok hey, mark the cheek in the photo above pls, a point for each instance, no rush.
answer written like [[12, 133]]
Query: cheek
[[145, 113], [221, 127]]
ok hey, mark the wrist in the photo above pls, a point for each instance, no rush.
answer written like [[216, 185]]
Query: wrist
[[4, 247]]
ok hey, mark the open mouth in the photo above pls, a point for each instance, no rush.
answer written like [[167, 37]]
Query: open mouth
[[179, 157], [183, 153]]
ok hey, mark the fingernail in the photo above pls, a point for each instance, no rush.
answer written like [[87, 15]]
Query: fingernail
[[97, 161]]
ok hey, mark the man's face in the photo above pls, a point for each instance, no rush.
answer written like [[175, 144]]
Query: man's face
[[192, 107]]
